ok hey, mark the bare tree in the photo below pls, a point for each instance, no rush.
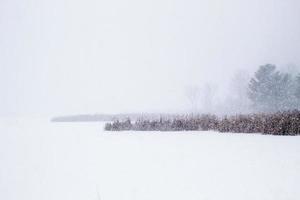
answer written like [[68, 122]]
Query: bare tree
[[208, 98], [193, 94]]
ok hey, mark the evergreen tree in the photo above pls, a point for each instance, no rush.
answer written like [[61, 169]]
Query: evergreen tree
[[270, 90], [283, 94], [260, 87]]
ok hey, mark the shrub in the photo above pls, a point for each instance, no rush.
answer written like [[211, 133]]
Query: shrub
[[280, 123]]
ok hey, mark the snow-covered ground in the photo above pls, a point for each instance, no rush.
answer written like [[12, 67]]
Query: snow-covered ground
[[40, 160]]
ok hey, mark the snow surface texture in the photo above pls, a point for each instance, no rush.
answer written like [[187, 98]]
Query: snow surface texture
[[41, 160]]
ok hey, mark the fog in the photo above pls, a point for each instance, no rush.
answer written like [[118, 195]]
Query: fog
[[68, 57]]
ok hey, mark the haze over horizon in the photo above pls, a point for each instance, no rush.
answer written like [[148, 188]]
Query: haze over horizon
[[71, 57]]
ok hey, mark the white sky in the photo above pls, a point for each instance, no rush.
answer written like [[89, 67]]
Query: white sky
[[93, 56]]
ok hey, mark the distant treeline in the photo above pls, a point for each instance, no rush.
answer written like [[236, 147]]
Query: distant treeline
[[82, 118], [280, 123]]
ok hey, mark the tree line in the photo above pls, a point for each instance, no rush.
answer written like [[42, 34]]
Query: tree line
[[273, 96]]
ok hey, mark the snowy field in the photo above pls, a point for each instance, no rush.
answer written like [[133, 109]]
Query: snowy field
[[40, 160]]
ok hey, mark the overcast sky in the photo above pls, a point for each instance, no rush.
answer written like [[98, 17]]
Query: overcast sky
[[92, 56]]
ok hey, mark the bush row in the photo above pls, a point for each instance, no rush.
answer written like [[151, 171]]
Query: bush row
[[280, 123]]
